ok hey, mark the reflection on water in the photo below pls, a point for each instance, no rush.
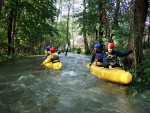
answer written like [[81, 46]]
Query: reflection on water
[[71, 90]]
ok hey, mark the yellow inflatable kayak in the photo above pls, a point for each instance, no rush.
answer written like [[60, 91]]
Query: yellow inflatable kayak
[[117, 75], [51, 65]]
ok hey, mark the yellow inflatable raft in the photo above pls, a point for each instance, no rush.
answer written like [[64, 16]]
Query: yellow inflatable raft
[[56, 64], [117, 75], [51, 65]]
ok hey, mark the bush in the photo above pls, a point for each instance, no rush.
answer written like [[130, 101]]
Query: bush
[[141, 81], [143, 71], [147, 54]]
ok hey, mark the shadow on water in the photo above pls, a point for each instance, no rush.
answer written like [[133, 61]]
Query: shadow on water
[[71, 90]]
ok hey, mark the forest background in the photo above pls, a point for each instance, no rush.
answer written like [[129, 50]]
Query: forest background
[[27, 26]]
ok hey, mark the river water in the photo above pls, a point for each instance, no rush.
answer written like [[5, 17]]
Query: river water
[[74, 89]]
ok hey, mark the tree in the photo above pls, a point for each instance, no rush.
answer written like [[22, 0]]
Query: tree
[[1, 4], [29, 24], [67, 34], [10, 22], [140, 11], [87, 50], [116, 13]]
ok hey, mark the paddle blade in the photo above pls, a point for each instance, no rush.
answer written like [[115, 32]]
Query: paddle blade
[[38, 68]]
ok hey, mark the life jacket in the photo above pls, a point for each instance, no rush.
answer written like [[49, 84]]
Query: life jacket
[[98, 59], [55, 58], [112, 58]]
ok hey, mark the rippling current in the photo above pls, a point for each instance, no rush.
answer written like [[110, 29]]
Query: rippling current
[[73, 89]]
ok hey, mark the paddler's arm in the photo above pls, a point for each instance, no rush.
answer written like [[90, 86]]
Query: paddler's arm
[[122, 54], [48, 59]]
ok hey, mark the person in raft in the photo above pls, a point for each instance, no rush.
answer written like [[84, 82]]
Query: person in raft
[[97, 56], [47, 51], [53, 57], [110, 56]]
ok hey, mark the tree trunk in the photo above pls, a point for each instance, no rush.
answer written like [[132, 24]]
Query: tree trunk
[[68, 41], [59, 10], [139, 13], [1, 4], [87, 50], [100, 7], [73, 36], [116, 13], [148, 41], [14, 31], [10, 21]]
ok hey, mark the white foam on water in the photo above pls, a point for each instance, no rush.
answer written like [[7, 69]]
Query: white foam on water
[[70, 73]]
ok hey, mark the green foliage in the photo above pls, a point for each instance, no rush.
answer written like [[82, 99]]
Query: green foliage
[[34, 24], [143, 71], [37, 19], [6, 58], [92, 19], [61, 39], [120, 38], [147, 53], [88, 19], [140, 81]]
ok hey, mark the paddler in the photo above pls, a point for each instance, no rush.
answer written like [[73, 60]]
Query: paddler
[[110, 57], [97, 56], [53, 57], [47, 50]]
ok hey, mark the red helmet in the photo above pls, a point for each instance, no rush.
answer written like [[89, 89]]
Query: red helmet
[[52, 50], [110, 45]]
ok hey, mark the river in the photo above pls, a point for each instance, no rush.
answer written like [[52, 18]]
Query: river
[[73, 89]]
